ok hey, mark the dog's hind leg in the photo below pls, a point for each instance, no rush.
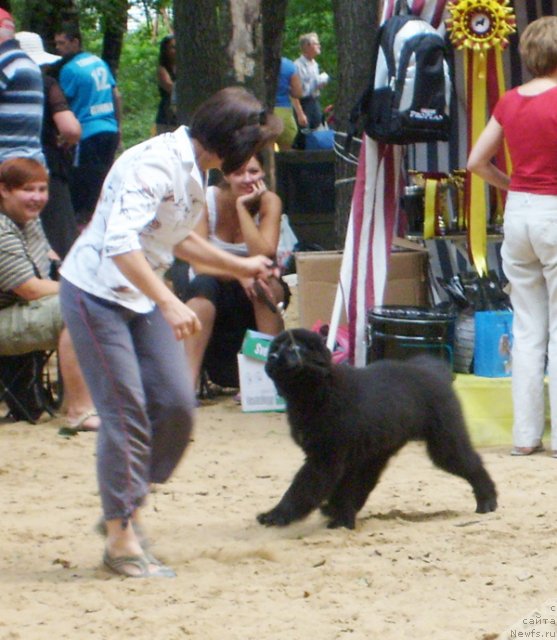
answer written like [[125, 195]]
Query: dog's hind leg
[[368, 476], [452, 451], [339, 508]]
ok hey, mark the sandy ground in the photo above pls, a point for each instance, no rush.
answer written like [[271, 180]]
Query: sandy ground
[[421, 563]]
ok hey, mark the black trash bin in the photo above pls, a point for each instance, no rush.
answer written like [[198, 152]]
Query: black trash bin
[[400, 333]]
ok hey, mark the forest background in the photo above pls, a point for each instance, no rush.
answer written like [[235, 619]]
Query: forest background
[[220, 43]]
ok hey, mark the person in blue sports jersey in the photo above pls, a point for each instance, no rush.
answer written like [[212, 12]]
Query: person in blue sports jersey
[[91, 91]]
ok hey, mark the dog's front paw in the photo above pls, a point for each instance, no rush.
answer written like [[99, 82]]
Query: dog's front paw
[[486, 505], [342, 521], [274, 518]]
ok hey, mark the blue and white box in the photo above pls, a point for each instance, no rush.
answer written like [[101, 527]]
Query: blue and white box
[[493, 344]]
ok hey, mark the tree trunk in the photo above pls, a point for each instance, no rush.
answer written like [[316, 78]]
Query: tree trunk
[[274, 18], [219, 43], [44, 16], [199, 54], [115, 21], [355, 26]]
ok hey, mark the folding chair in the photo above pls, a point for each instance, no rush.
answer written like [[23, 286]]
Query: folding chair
[[30, 384]]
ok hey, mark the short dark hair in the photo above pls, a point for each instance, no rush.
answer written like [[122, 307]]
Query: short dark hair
[[259, 156], [233, 124], [70, 30]]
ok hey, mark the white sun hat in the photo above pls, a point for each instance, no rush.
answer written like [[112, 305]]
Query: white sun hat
[[32, 44]]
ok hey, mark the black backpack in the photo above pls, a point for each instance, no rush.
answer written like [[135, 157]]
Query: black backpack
[[408, 97]]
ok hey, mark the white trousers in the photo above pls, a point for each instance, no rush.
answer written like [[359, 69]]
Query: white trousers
[[529, 255]]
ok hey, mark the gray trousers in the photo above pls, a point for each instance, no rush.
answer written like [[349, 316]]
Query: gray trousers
[[142, 389]]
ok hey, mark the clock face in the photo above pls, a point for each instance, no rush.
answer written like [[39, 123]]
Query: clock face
[[480, 23]]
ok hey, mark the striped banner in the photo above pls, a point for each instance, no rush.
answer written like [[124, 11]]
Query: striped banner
[[369, 237]]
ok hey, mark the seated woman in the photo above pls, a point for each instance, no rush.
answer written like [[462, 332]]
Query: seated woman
[[30, 317], [241, 216]]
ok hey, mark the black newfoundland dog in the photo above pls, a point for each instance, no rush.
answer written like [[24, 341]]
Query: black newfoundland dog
[[349, 421]]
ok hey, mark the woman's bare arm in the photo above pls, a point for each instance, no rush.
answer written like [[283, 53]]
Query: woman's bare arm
[[480, 160]]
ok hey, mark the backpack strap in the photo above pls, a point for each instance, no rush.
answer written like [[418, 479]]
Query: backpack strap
[[402, 8], [404, 59], [363, 101]]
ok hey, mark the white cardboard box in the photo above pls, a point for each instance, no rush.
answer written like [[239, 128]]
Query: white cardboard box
[[257, 390]]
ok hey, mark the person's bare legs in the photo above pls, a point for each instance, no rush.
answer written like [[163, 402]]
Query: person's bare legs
[[122, 541], [76, 394], [196, 344], [266, 320]]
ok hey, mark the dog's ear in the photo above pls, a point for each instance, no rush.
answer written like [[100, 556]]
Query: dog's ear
[[314, 352]]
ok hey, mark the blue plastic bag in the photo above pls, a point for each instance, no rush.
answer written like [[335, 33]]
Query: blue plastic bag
[[320, 139]]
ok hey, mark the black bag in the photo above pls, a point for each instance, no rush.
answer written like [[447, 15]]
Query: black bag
[[471, 292], [21, 375], [408, 97]]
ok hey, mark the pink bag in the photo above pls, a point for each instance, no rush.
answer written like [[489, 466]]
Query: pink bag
[[341, 348]]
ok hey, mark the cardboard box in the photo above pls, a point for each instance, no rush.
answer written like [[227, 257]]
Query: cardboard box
[[318, 276], [257, 390]]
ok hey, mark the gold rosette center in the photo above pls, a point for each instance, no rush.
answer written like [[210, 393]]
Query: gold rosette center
[[480, 24]]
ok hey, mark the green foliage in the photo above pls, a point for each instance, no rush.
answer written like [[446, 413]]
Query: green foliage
[[304, 16], [138, 86], [17, 10], [138, 62], [136, 82]]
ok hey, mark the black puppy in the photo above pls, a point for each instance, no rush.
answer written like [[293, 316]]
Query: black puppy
[[349, 421]]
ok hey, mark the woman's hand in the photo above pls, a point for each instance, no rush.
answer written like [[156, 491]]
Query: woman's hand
[[486, 147], [248, 286], [137, 270], [53, 256], [259, 189], [259, 290], [258, 267], [183, 320]]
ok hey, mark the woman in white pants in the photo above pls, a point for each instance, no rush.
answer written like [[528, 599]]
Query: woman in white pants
[[526, 119]]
